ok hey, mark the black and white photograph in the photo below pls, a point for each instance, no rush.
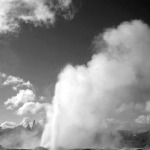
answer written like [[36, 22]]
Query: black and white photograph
[[74, 75]]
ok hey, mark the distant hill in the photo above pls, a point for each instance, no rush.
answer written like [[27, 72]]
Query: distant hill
[[21, 137], [128, 138]]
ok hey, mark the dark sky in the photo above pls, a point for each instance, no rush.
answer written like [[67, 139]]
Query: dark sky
[[38, 54]]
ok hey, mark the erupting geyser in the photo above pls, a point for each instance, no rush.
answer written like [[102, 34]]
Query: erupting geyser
[[92, 101]]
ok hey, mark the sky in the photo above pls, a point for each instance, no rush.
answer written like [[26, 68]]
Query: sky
[[33, 52]]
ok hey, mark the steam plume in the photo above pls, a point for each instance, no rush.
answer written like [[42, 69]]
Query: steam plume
[[112, 89]]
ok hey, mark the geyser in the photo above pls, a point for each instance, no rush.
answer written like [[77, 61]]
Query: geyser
[[93, 101]]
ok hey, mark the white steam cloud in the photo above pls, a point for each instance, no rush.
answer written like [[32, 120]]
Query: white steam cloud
[[38, 12], [111, 91]]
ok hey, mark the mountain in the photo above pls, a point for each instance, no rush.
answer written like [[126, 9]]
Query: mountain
[[21, 137]]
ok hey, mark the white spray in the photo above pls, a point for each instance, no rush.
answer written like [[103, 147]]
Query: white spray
[[92, 101]]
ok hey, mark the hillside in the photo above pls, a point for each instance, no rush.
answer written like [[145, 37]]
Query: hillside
[[130, 139]]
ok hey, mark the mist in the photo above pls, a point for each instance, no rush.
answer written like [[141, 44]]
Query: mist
[[93, 101], [22, 136]]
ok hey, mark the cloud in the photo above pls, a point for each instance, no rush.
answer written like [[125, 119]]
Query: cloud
[[23, 84], [25, 121], [42, 98], [25, 99], [15, 82], [31, 107], [3, 75], [23, 96], [6, 125], [143, 119], [86, 96], [42, 122], [37, 12], [147, 106], [27, 84]]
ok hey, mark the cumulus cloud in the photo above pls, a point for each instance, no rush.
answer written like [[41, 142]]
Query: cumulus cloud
[[25, 121], [23, 96], [23, 84], [38, 12], [3, 75], [143, 119], [27, 84], [26, 98], [12, 80], [6, 125], [31, 107], [116, 78], [15, 82]]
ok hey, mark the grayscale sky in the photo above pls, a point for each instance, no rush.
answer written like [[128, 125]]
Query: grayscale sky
[[33, 54]]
